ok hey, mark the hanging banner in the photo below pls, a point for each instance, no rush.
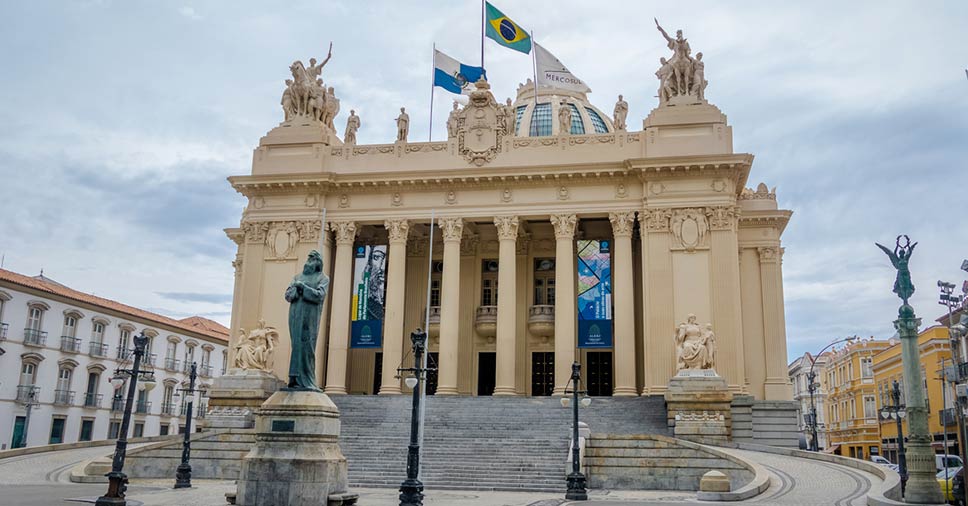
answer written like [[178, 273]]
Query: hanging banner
[[594, 294], [369, 290]]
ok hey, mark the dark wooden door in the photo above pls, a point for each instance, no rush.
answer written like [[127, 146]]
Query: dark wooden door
[[377, 372], [599, 375], [486, 371], [542, 373], [432, 361]]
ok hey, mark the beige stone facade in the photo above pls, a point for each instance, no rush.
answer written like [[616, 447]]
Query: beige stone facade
[[687, 236]]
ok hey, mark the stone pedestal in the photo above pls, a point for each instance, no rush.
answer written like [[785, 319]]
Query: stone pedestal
[[698, 402], [235, 397], [296, 460]]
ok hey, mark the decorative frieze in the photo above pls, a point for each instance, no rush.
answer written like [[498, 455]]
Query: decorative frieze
[[656, 220], [344, 201], [344, 232], [689, 228], [506, 195], [397, 230], [507, 227], [623, 222], [769, 254], [396, 200], [564, 225], [450, 198], [723, 217], [452, 229], [621, 191]]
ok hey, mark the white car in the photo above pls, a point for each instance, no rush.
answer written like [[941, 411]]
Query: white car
[[877, 459]]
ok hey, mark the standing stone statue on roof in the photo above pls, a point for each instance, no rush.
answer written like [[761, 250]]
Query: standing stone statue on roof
[[453, 121], [509, 117], [564, 118], [306, 96], [352, 125], [620, 113], [305, 296], [682, 78], [403, 125]]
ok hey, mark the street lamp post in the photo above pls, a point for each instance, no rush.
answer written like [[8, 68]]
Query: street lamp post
[[183, 475], [897, 412], [577, 490], [29, 404], [117, 480], [948, 299], [812, 388], [411, 490]]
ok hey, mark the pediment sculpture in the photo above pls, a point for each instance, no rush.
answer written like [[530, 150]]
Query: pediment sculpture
[[481, 126], [255, 349], [695, 345]]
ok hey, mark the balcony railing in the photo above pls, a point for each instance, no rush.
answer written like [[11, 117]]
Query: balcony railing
[[142, 407], [201, 410], [92, 400], [948, 417], [117, 404], [172, 364], [27, 393], [98, 349], [34, 337], [123, 353], [70, 344], [64, 397], [148, 360], [169, 408], [205, 371], [3, 331], [963, 370]]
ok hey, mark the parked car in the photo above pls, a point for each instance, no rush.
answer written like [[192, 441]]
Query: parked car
[[949, 461], [954, 491], [877, 459]]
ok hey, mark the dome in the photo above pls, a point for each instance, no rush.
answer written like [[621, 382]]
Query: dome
[[538, 118]]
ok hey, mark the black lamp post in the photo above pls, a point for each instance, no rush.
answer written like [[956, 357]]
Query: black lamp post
[[117, 480], [812, 388], [576, 480], [183, 475], [411, 490], [897, 412]]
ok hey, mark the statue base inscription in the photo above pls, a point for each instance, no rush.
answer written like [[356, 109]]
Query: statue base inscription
[[698, 402], [235, 397], [296, 460]]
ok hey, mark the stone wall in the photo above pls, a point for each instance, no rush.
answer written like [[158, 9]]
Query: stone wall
[[772, 423]]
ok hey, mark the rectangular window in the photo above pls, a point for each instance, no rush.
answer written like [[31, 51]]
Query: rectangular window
[[87, 430], [70, 326], [870, 407], [97, 334], [57, 430], [867, 367], [206, 358], [139, 429], [164, 430], [434, 293], [114, 429], [34, 316], [171, 350], [225, 360]]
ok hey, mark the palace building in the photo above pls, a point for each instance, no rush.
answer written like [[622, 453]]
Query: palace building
[[559, 235]]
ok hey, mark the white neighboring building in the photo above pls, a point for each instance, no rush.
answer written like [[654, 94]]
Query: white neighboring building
[[61, 348], [799, 371]]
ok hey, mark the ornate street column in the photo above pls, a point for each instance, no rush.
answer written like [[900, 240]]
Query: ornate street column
[[397, 230], [564, 298], [624, 298], [452, 229], [341, 292], [507, 233], [777, 386]]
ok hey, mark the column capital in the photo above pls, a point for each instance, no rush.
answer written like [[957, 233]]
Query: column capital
[[451, 228], [507, 227], [345, 232], [655, 220], [622, 223], [723, 217], [397, 229], [564, 225], [769, 254]]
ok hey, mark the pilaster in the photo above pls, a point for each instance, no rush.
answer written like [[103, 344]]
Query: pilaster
[[777, 386], [624, 297], [727, 312], [565, 334], [658, 301]]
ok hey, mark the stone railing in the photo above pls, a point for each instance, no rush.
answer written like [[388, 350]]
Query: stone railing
[[485, 321]]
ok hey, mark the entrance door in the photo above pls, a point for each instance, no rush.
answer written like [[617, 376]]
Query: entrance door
[[377, 372], [433, 360], [18, 432], [542, 373], [57, 431], [486, 372], [599, 376]]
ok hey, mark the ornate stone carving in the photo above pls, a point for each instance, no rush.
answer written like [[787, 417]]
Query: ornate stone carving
[[523, 245], [768, 254], [510, 118], [396, 200], [308, 230], [761, 193], [723, 217], [507, 227], [622, 223], [403, 125], [621, 191], [656, 220], [344, 232], [352, 125], [506, 195], [682, 77], [564, 225], [695, 346], [564, 118], [451, 228], [255, 232], [689, 228], [563, 193], [344, 201], [306, 97], [619, 114], [469, 245], [397, 229], [481, 126], [450, 198], [255, 348]]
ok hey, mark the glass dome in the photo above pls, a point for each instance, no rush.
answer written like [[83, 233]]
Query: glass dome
[[538, 118]]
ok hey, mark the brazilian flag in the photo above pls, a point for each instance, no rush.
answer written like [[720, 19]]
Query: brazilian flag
[[505, 32]]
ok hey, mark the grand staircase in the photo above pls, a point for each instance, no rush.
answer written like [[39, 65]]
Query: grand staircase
[[480, 443]]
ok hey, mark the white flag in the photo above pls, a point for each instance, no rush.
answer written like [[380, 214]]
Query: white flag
[[553, 73]]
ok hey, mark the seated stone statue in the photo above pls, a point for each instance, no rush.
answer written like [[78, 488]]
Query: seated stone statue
[[695, 347], [255, 349]]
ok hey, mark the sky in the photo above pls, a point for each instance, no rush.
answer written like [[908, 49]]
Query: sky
[[120, 120]]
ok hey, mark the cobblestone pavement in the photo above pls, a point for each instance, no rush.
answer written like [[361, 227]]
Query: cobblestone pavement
[[43, 480]]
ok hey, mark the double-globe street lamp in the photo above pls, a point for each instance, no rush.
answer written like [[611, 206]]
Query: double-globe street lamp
[[577, 490], [897, 412], [812, 388], [183, 475], [117, 480], [411, 490]]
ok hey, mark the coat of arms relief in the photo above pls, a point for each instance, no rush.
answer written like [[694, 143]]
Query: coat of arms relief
[[481, 126]]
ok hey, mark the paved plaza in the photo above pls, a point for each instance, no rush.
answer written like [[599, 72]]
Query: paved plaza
[[44, 480]]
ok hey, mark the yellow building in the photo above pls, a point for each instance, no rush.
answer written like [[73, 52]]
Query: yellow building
[[851, 404], [933, 348]]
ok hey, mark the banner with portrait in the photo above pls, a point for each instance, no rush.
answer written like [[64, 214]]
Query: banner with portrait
[[369, 292], [594, 294]]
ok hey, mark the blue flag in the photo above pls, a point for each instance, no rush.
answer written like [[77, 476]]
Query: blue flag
[[453, 75]]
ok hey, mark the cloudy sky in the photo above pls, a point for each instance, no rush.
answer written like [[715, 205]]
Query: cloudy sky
[[120, 121]]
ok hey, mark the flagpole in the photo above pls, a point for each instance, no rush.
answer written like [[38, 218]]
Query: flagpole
[[534, 65], [483, 22], [423, 365], [433, 72]]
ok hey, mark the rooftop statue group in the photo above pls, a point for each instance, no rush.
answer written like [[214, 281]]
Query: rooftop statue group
[[306, 96], [681, 75]]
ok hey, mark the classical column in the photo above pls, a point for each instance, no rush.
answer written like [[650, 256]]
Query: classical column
[[452, 228], [564, 298], [624, 299], [507, 233], [397, 230], [777, 385], [341, 291]]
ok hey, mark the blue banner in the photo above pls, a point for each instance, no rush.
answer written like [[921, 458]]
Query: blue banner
[[594, 294], [369, 281]]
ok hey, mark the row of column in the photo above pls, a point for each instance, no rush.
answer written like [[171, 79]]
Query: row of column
[[507, 231]]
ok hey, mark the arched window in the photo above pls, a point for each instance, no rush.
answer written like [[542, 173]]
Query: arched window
[[33, 335]]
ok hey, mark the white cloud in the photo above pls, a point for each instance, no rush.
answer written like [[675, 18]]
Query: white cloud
[[189, 12]]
